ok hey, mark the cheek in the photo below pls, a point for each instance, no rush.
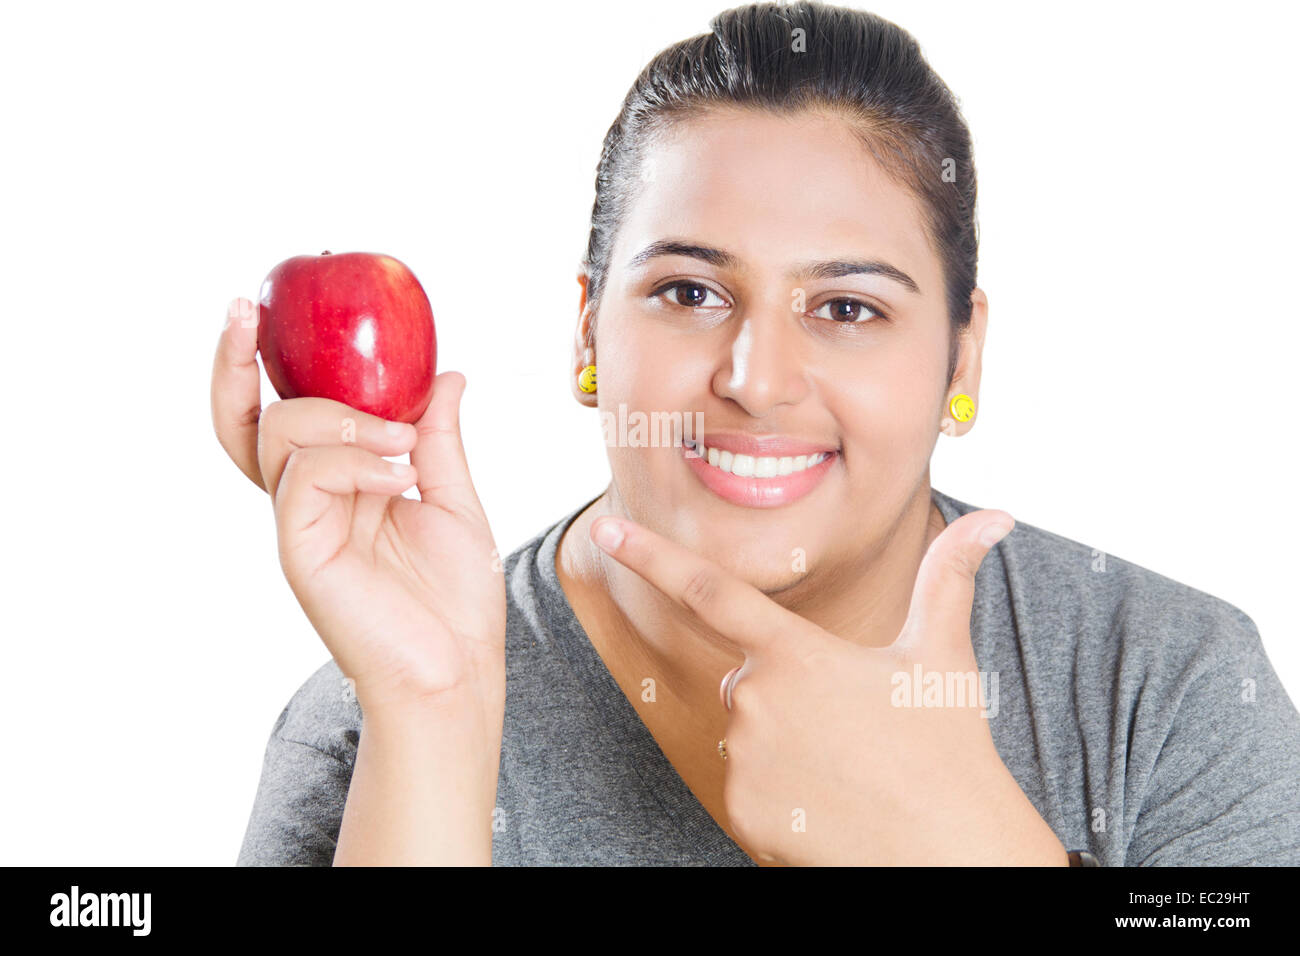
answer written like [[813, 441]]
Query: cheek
[[647, 369], [638, 362], [644, 397], [888, 413]]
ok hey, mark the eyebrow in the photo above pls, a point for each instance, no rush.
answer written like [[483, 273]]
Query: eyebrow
[[822, 269]]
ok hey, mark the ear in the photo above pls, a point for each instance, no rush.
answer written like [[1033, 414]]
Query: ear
[[584, 345], [970, 353]]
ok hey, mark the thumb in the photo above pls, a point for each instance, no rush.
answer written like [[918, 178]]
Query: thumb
[[939, 615], [442, 473]]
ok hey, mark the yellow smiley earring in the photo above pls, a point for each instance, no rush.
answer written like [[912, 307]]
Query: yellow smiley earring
[[962, 407], [587, 379]]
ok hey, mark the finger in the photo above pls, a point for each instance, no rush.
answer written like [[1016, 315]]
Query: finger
[[236, 384], [314, 477], [944, 593], [745, 618], [439, 453], [304, 422]]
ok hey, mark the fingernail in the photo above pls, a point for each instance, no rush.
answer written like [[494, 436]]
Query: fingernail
[[402, 470], [395, 429], [995, 533], [608, 534], [244, 311]]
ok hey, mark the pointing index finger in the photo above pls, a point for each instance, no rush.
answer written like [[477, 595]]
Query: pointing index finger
[[742, 615]]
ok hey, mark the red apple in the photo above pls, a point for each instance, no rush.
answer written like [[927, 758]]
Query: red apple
[[355, 327]]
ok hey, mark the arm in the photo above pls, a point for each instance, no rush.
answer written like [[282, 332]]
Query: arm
[[295, 816], [425, 784], [408, 597]]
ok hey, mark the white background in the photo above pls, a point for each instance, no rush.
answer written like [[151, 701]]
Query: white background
[[1137, 210]]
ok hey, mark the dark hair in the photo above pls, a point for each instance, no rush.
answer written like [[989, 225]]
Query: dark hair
[[859, 65]]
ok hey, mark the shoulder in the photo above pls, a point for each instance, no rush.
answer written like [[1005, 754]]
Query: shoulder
[[1080, 591], [323, 713]]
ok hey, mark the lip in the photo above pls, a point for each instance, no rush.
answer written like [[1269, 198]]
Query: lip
[[761, 446], [761, 492]]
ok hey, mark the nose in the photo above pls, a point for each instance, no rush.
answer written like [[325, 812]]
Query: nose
[[765, 367]]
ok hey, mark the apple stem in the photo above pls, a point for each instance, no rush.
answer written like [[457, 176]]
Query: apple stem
[[325, 253]]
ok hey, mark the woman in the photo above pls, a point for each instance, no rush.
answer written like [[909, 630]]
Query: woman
[[766, 641]]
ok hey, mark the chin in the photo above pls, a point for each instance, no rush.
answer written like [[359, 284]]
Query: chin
[[767, 576], [779, 583]]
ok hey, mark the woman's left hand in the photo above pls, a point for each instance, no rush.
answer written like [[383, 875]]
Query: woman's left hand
[[830, 758]]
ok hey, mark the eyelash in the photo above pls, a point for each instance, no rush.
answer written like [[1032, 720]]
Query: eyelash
[[875, 310]]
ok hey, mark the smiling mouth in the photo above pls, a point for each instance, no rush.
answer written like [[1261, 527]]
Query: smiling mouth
[[754, 466]]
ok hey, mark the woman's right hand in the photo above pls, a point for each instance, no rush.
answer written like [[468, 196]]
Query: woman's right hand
[[407, 595]]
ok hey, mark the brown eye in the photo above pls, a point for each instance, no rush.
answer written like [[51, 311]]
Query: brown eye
[[691, 295], [688, 295], [851, 311]]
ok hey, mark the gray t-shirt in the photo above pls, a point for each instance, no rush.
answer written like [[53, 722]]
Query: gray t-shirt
[[1141, 717]]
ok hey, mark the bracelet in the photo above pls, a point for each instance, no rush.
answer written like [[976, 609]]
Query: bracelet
[[1082, 858]]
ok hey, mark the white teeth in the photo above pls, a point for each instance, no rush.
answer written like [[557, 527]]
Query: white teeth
[[746, 466]]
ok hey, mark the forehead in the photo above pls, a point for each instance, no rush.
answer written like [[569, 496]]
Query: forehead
[[775, 189]]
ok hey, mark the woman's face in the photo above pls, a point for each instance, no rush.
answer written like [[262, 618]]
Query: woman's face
[[746, 333]]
